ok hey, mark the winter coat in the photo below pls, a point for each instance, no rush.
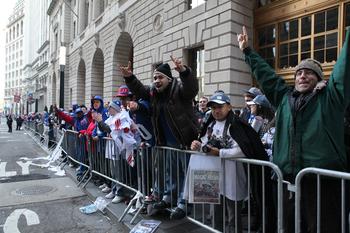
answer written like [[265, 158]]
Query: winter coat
[[9, 120], [97, 131], [142, 116], [176, 101], [314, 135]]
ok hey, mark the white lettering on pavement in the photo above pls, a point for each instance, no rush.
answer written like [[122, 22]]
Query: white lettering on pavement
[[4, 173], [24, 166], [11, 223]]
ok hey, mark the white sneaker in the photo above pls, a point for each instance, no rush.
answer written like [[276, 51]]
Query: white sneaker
[[110, 195], [117, 199], [106, 189], [102, 186]]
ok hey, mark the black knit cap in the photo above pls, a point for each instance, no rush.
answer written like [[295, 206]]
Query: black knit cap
[[165, 70]]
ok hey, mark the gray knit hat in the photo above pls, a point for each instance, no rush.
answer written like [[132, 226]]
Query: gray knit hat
[[116, 105], [310, 64]]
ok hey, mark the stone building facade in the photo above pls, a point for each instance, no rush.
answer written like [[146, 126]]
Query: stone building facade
[[101, 35], [36, 47], [14, 93]]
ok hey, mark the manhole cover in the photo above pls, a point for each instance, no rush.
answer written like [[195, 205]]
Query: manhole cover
[[34, 190]]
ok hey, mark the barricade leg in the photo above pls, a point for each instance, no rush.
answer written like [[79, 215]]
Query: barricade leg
[[158, 173]]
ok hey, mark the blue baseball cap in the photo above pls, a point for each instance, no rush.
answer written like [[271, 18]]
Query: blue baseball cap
[[77, 110], [260, 100], [219, 98], [253, 91]]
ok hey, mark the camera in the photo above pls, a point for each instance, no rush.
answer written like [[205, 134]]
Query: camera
[[214, 142]]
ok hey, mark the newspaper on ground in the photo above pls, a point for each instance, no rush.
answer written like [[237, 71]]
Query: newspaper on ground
[[146, 226]]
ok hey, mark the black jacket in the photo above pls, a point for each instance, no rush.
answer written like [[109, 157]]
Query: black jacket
[[245, 136], [176, 104]]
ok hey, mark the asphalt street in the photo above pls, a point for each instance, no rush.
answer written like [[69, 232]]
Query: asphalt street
[[41, 199]]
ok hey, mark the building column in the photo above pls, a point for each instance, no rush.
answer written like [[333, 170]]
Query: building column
[[82, 17], [96, 9], [90, 18]]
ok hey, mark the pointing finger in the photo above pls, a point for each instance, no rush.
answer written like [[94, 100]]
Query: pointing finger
[[244, 30], [173, 58]]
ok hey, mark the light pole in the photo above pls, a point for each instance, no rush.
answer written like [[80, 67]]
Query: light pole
[[62, 62]]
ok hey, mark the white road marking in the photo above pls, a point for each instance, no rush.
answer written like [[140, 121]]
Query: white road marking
[[4, 173], [11, 223], [24, 166]]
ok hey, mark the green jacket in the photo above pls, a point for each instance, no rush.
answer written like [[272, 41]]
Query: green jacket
[[313, 136]]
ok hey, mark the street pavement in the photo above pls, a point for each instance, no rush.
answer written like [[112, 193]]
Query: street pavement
[[41, 199]]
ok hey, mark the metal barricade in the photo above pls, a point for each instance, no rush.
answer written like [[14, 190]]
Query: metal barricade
[[338, 182], [108, 162], [168, 177], [161, 171], [75, 147], [29, 125]]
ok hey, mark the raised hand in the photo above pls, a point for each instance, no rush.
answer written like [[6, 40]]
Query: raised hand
[[320, 85], [179, 67], [243, 39], [99, 117], [126, 70]]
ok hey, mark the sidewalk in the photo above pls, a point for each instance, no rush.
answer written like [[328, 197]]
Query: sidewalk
[[115, 211]]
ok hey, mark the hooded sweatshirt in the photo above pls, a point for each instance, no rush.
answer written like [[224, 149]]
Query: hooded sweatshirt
[[97, 131]]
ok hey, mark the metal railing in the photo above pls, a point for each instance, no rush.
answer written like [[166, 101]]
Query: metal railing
[[161, 172], [338, 181]]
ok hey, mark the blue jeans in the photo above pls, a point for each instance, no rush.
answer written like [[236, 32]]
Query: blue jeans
[[176, 164]]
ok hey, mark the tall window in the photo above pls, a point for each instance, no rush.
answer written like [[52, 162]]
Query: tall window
[[194, 3], [288, 48], [305, 43], [310, 36], [196, 62], [326, 35], [56, 42], [267, 39], [74, 29]]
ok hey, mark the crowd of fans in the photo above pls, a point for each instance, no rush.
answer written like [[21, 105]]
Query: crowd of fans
[[293, 127]]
